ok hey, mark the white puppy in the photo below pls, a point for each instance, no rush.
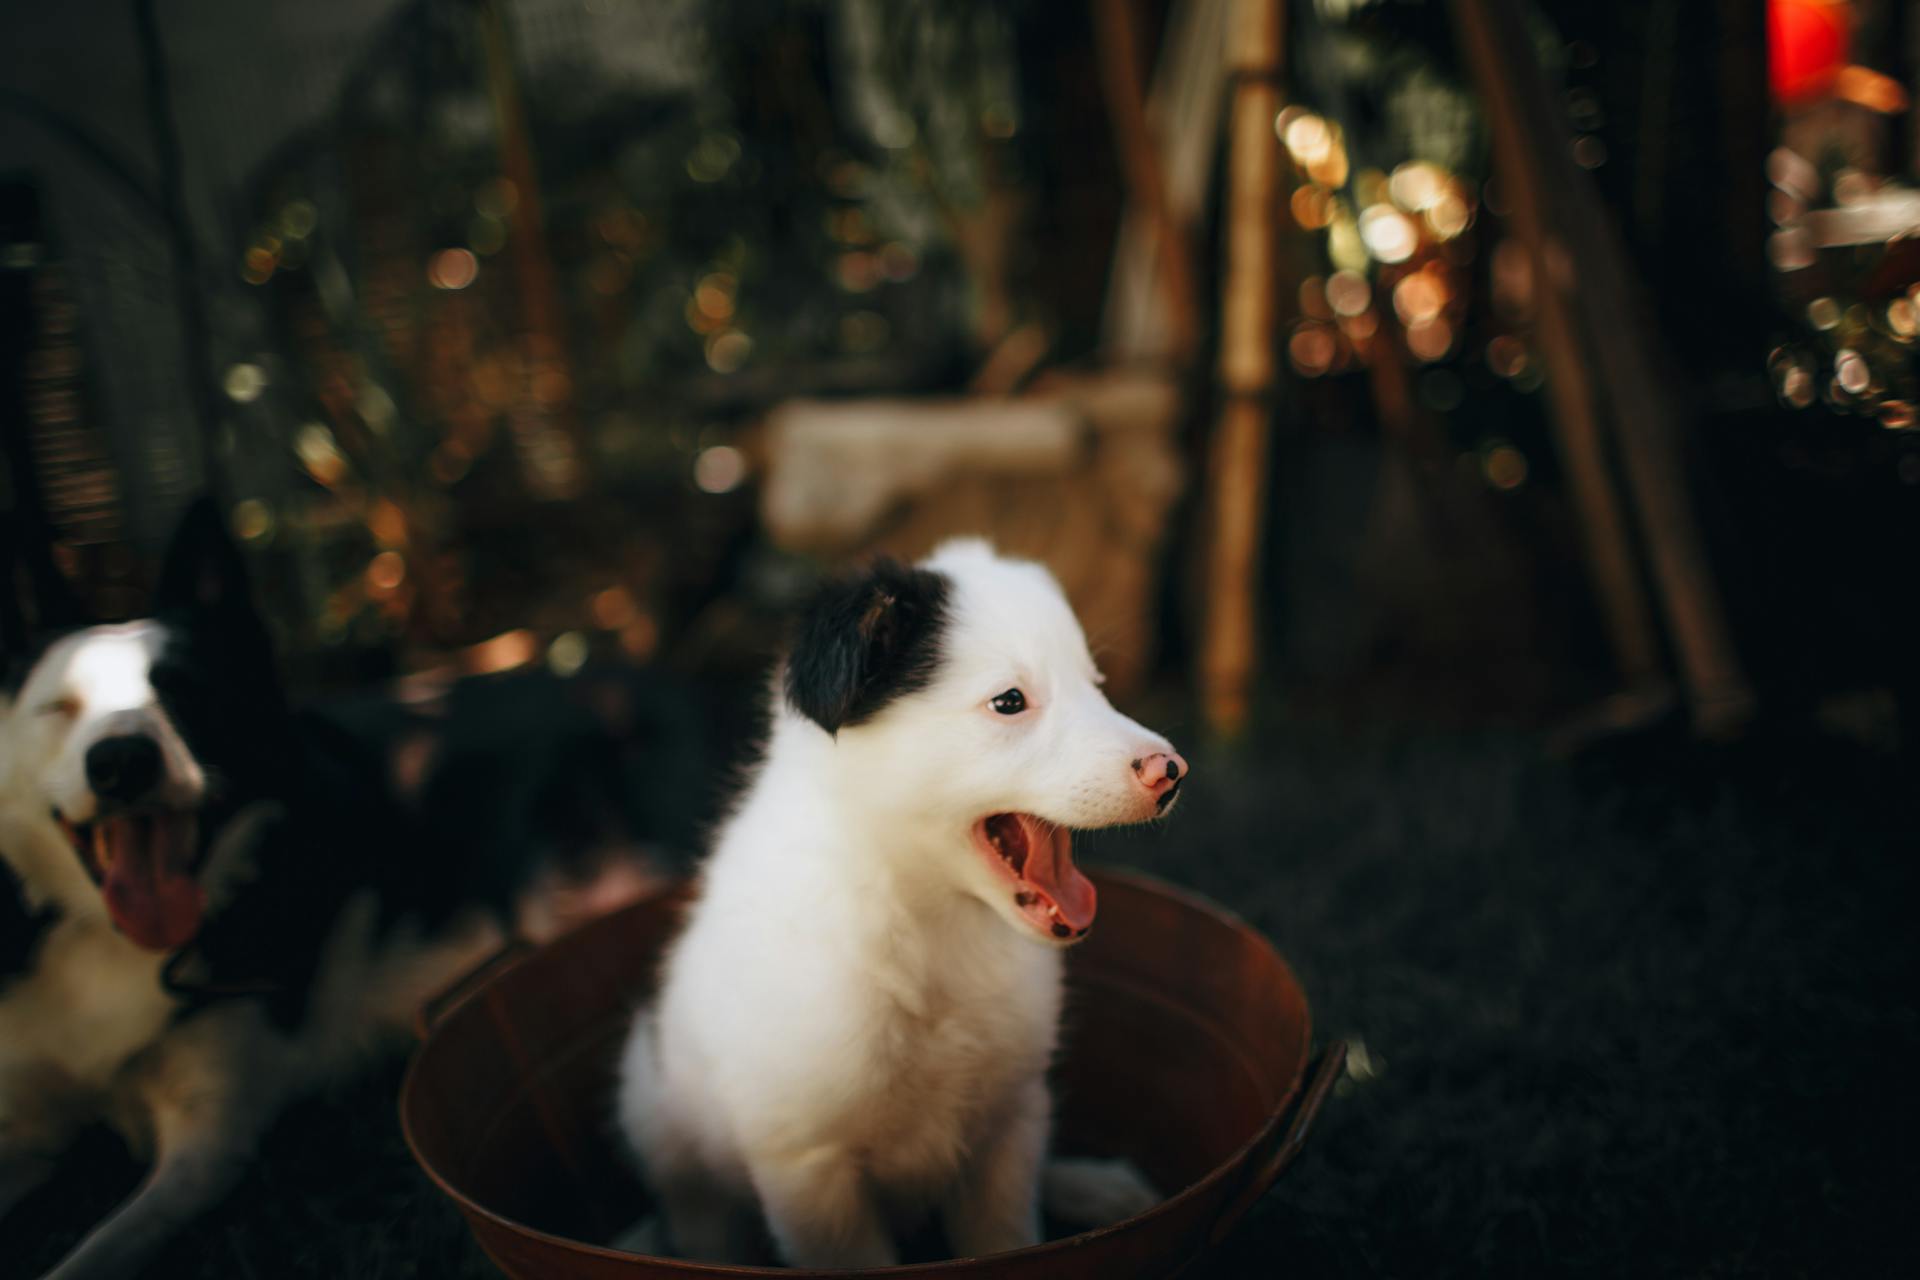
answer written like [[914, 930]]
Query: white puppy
[[855, 1027]]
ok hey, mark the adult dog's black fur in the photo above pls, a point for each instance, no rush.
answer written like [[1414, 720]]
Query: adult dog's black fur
[[210, 903]]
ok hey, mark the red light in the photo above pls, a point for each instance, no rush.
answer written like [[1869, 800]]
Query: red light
[[1807, 42]]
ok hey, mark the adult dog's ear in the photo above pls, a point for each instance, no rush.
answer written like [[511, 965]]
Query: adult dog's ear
[[203, 568], [864, 641]]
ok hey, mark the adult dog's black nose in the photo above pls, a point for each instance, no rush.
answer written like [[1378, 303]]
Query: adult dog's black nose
[[125, 768]]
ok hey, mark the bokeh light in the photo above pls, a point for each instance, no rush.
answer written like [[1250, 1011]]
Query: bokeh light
[[728, 350], [452, 269], [299, 219], [1312, 206], [1313, 299], [387, 523], [1308, 138], [614, 608], [858, 271], [1348, 293], [1851, 371], [244, 383], [1789, 170], [1311, 349], [1387, 233], [257, 266], [712, 157], [1344, 246], [313, 444], [503, 652], [1430, 340], [251, 520], [1448, 216], [719, 469], [567, 654], [1507, 356], [1851, 186], [1903, 318], [640, 638], [1419, 297], [1790, 249], [1416, 186], [385, 573], [375, 406], [1504, 466], [1796, 386], [714, 295]]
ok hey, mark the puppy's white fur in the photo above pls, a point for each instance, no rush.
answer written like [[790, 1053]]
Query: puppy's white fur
[[854, 1029]]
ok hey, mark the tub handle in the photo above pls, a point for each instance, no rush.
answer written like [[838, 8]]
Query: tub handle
[[1321, 1078], [455, 993]]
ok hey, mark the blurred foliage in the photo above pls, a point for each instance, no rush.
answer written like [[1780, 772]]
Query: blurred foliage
[[545, 260]]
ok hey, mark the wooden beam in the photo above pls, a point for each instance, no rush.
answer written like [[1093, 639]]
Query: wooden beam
[[1594, 337], [1237, 463], [1116, 37]]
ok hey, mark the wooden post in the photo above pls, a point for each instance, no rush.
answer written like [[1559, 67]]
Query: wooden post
[[1117, 39], [1237, 465], [1570, 384], [542, 419], [1594, 336], [1182, 117]]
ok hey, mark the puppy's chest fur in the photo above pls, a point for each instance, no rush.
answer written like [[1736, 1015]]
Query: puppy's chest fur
[[820, 1009], [958, 1018]]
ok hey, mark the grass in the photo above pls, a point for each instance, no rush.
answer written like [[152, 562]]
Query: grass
[[1649, 1012]]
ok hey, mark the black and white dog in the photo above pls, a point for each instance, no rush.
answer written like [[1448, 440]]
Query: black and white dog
[[209, 904], [853, 1033]]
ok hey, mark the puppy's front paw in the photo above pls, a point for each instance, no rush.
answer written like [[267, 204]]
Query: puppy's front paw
[[1088, 1193]]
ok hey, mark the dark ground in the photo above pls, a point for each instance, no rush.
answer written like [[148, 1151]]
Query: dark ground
[[1648, 1012]]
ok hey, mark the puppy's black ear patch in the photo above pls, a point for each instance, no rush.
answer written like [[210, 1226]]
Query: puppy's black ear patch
[[865, 641], [203, 568]]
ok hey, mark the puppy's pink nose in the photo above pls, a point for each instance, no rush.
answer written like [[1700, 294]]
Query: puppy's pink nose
[[1160, 772]]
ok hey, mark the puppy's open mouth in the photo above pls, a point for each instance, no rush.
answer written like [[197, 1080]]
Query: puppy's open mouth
[[1035, 860], [144, 865]]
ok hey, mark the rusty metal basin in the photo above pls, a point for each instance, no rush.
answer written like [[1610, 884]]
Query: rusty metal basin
[[1185, 1049]]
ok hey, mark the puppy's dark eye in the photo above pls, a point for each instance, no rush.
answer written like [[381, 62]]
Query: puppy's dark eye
[[65, 708], [1010, 703]]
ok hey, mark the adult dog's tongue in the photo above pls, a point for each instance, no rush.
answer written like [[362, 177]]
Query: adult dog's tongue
[[146, 874], [1049, 868]]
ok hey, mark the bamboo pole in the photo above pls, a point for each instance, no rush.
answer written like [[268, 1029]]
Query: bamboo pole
[[1117, 40], [1237, 463], [1585, 311], [542, 419], [1184, 108], [1570, 384]]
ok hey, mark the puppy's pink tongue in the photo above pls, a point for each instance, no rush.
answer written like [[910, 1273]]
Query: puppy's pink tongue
[[1050, 869], [147, 879]]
